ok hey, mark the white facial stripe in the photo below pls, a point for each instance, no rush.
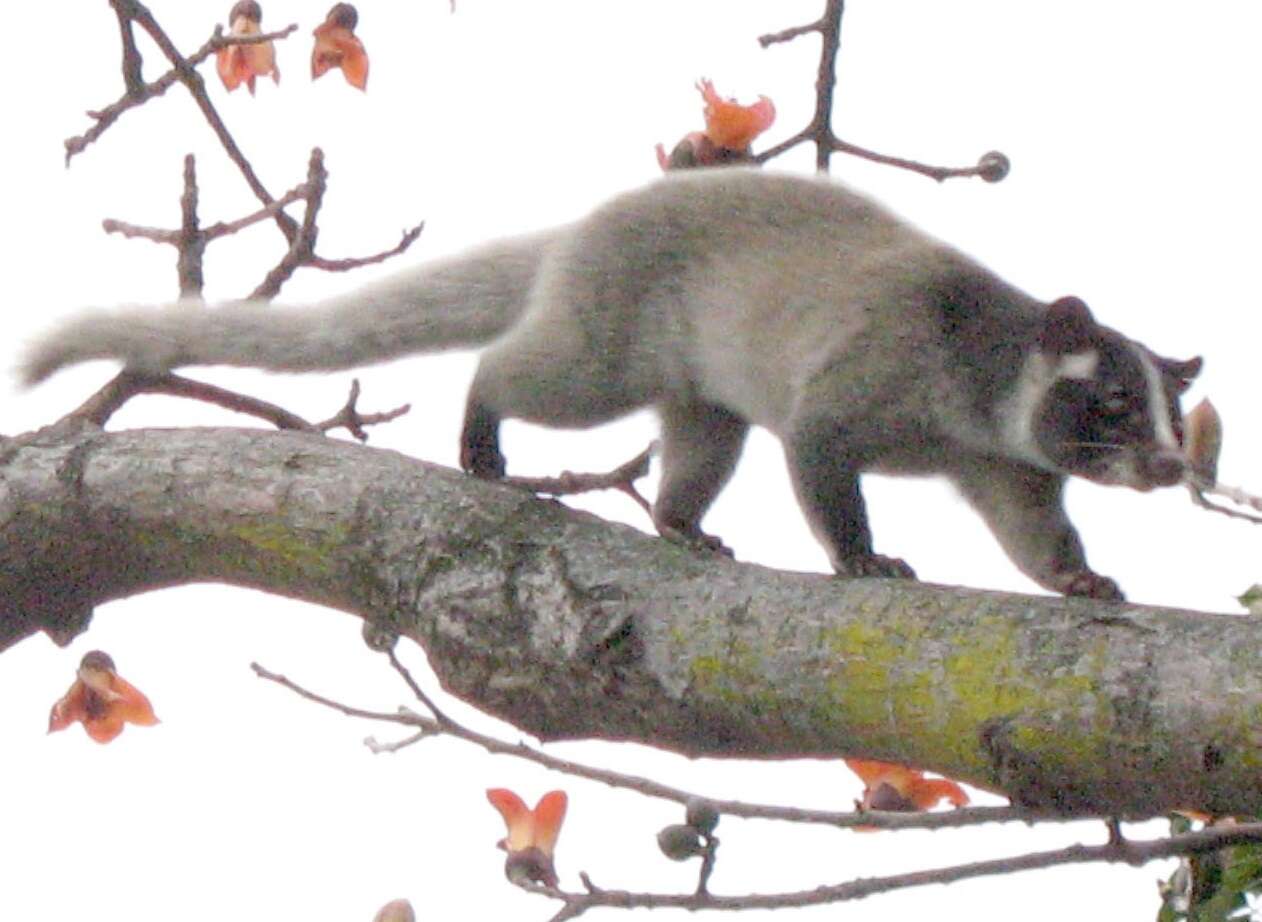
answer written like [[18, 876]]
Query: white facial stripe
[[1080, 365], [1158, 403], [1037, 375]]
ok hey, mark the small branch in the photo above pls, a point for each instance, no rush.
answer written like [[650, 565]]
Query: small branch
[[344, 265], [267, 212], [132, 63], [802, 137], [826, 81], [98, 408], [1199, 488], [301, 692], [178, 386], [377, 748], [968, 816], [1128, 851], [569, 483], [707, 864], [192, 241], [138, 92], [127, 384], [301, 244], [185, 72], [140, 232], [353, 421], [442, 719], [991, 167], [789, 34]]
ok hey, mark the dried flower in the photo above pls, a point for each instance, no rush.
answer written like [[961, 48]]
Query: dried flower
[[101, 700]]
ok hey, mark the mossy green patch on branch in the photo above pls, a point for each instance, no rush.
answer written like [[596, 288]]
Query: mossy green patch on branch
[[296, 549], [736, 679]]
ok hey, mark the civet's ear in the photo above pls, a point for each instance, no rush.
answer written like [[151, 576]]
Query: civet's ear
[[1067, 327], [1181, 372]]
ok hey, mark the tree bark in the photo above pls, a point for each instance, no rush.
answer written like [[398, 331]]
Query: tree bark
[[569, 626]]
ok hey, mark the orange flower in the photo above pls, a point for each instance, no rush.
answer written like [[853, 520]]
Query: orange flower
[[729, 124], [896, 787], [238, 64], [729, 130], [101, 700], [337, 46], [532, 834]]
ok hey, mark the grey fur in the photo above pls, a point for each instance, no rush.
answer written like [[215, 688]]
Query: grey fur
[[460, 302], [727, 298]]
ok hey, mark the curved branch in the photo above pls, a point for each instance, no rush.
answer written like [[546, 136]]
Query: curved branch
[[430, 727], [1127, 851], [569, 626]]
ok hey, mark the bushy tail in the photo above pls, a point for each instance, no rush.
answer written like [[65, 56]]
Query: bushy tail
[[466, 300]]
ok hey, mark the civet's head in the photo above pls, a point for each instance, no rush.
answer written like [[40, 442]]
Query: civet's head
[[1104, 407]]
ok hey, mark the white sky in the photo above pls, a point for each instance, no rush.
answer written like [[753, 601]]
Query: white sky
[[1131, 127]]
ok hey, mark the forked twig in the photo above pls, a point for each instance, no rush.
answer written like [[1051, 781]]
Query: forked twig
[[992, 166], [568, 483], [574, 903]]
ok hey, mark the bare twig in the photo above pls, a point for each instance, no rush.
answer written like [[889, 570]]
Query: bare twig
[[301, 239], [179, 386], [301, 692], [569, 483], [127, 384], [224, 228], [133, 81], [1201, 488], [189, 238], [377, 748], [1130, 851], [353, 421], [301, 244], [184, 70], [967, 816], [140, 232], [443, 720], [297, 255], [192, 241], [708, 859], [138, 92], [1118, 848], [98, 408], [408, 237], [791, 33], [992, 166]]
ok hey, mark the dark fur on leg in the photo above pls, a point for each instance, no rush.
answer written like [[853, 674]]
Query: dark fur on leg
[[480, 443], [701, 444], [827, 483]]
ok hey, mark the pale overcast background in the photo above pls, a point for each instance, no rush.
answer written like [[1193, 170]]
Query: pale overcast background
[[1132, 131]]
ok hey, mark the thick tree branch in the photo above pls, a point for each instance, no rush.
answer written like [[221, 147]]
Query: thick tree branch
[[569, 627]]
